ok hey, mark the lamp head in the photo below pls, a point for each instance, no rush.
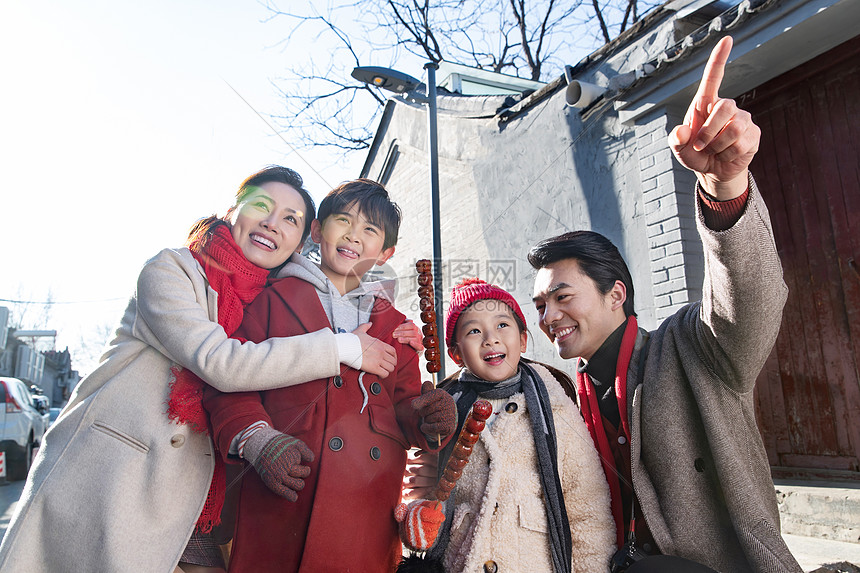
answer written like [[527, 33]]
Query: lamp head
[[386, 78]]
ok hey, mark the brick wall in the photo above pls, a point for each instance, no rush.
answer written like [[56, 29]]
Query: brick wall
[[675, 252]]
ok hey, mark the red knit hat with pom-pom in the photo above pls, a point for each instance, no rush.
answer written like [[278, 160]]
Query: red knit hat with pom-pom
[[469, 291]]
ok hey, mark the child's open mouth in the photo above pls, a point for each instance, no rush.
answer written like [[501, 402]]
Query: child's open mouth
[[494, 359], [348, 253]]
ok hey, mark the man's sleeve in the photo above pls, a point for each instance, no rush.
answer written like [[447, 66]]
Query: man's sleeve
[[743, 294], [721, 215]]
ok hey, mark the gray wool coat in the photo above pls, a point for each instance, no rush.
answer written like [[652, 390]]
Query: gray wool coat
[[116, 485], [700, 470]]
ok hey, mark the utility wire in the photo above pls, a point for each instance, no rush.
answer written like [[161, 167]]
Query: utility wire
[[280, 136], [62, 302]]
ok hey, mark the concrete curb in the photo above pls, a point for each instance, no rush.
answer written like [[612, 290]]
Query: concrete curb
[[819, 509]]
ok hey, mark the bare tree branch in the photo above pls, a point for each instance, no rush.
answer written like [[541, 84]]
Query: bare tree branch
[[599, 14], [324, 106]]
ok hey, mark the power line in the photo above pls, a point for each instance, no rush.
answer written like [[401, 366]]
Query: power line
[[48, 302]]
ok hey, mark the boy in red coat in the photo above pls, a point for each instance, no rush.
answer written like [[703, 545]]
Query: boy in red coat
[[329, 454]]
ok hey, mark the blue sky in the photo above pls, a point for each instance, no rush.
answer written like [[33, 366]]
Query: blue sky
[[118, 129]]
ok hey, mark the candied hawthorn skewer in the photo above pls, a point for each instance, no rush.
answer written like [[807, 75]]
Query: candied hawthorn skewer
[[468, 437], [427, 305]]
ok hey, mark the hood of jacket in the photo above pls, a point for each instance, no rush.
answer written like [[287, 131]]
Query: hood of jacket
[[345, 312]]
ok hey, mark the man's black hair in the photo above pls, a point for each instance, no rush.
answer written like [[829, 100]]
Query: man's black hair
[[598, 258]]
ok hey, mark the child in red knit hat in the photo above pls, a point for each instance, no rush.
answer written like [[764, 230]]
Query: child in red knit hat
[[533, 496]]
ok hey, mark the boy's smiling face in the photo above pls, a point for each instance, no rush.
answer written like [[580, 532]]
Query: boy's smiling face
[[349, 247]]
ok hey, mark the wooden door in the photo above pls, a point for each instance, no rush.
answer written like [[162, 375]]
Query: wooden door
[[808, 167]]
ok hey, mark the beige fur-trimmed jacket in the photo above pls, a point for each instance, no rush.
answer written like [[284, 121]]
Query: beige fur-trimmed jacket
[[116, 485], [499, 513]]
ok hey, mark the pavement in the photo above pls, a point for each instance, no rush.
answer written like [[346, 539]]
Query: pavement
[[9, 494], [813, 554], [816, 554]]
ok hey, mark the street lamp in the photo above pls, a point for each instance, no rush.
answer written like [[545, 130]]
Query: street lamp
[[398, 82]]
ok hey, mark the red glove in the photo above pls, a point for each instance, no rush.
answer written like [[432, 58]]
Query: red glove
[[419, 523], [438, 411], [278, 458]]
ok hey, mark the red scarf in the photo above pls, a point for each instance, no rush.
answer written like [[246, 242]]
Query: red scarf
[[237, 281], [594, 420]]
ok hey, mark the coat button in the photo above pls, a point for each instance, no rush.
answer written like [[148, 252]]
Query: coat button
[[490, 567], [622, 440], [177, 441], [510, 409], [335, 444], [376, 388], [338, 381], [699, 464], [375, 453]]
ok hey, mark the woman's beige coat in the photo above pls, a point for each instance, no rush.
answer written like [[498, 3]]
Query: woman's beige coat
[[499, 513], [117, 486]]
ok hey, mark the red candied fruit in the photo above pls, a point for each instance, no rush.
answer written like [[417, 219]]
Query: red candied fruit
[[482, 409]]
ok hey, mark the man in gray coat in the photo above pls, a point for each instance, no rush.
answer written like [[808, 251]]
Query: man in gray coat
[[671, 411]]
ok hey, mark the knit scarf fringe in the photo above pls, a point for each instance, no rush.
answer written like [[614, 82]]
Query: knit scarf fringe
[[237, 282]]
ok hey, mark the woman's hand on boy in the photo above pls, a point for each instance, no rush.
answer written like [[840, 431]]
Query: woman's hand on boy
[[437, 410], [377, 357], [419, 479], [281, 460], [409, 333]]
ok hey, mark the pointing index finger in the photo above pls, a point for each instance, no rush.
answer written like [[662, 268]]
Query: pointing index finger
[[713, 75]]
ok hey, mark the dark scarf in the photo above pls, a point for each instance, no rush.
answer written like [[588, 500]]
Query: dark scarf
[[466, 390], [237, 281]]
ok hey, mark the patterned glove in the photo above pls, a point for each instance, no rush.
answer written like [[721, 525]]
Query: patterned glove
[[419, 523], [438, 411], [280, 460]]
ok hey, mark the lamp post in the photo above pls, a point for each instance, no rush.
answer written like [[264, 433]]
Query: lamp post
[[398, 82]]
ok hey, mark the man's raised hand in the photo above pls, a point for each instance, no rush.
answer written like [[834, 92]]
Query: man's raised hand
[[717, 139]]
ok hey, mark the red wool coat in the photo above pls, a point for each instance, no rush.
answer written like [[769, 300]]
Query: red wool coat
[[344, 517]]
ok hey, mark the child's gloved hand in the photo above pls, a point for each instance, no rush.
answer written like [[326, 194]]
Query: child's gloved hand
[[280, 460], [438, 411], [419, 523]]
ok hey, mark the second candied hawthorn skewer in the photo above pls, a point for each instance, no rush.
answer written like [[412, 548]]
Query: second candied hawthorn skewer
[[468, 437], [418, 526]]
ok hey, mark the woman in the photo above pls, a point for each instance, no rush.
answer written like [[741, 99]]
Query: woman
[[119, 484]]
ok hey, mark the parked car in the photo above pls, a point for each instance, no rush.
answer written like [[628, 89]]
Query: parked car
[[42, 405], [53, 414], [21, 426]]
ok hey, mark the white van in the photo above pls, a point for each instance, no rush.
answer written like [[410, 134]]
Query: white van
[[21, 427]]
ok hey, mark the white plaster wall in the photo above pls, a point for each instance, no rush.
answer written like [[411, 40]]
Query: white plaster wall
[[504, 188]]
